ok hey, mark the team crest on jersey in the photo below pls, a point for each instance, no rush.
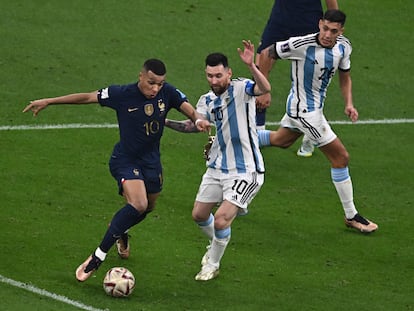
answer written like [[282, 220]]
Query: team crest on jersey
[[135, 171], [161, 106], [149, 109]]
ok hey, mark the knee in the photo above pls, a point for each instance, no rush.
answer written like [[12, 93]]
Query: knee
[[341, 160], [221, 223], [345, 158], [196, 216], [201, 212], [196, 213], [141, 204]]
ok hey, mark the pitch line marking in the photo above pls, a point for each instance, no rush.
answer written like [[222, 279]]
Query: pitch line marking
[[45, 293], [109, 125]]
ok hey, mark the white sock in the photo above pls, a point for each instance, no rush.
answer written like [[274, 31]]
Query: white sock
[[100, 254], [218, 246], [345, 192], [208, 227]]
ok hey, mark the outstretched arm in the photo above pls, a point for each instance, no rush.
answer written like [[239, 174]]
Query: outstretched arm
[[185, 126], [79, 98], [247, 56], [200, 123]]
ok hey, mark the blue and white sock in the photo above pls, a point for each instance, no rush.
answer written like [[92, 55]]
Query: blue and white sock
[[343, 184], [264, 138], [218, 246], [207, 227]]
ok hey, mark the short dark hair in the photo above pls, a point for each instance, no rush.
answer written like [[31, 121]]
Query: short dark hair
[[215, 59], [335, 16], [156, 66]]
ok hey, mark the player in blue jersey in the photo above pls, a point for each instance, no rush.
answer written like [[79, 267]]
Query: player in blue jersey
[[235, 168], [315, 58], [288, 18], [141, 109]]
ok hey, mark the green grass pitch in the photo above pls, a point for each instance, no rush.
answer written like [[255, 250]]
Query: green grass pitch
[[292, 252]]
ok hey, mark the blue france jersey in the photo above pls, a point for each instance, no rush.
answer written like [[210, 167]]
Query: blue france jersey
[[312, 69], [236, 147], [140, 120]]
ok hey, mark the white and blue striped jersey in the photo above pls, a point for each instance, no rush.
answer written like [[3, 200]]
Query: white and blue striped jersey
[[312, 69], [236, 147]]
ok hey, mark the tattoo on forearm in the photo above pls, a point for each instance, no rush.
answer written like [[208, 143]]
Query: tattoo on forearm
[[186, 126]]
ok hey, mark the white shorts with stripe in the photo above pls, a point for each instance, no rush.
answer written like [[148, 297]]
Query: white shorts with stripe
[[239, 189], [312, 124]]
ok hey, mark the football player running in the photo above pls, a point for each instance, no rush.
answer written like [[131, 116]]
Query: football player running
[[315, 59], [135, 162], [235, 167]]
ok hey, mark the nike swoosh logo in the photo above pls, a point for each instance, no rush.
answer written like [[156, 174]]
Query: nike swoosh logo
[[132, 109]]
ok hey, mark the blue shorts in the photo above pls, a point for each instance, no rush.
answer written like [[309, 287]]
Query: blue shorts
[[273, 33], [291, 18], [126, 169]]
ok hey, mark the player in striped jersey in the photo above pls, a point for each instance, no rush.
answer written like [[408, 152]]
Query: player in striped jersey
[[288, 18], [235, 168], [315, 58]]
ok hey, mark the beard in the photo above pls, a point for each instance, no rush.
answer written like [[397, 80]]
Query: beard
[[218, 90]]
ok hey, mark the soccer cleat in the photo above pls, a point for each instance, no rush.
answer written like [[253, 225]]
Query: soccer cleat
[[306, 149], [207, 273], [87, 268], [362, 224], [122, 244]]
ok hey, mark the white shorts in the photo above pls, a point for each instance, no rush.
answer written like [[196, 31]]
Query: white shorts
[[314, 125], [239, 189]]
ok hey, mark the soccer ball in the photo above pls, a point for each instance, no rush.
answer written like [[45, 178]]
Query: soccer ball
[[119, 282]]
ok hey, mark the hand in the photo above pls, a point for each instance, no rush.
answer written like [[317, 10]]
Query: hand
[[352, 113], [203, 125], [36, 105], [263, 101], [247, 55]]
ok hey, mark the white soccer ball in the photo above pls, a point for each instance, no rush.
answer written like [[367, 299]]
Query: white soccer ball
[[119, 282]]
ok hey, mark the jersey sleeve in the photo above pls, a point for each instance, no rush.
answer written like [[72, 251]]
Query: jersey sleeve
[[177, 98], [202, 106], [107, 96], [249, 87], [283, 49], [346, 50], [293, 48]]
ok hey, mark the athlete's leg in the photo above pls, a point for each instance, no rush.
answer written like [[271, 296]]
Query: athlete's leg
[[131, 214], [204, 218], [283, 137], [224, 216], [338, 156]]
